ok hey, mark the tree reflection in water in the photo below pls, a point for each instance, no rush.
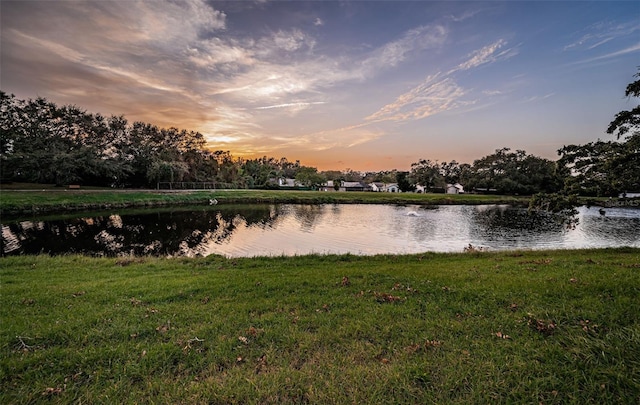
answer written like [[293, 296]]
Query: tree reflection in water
[[159, 233]]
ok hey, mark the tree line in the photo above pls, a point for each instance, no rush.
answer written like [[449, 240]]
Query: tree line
[[41, 142]]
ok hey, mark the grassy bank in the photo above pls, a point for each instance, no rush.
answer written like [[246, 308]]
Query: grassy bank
[[14, 202], [527, 327], [56, 200]]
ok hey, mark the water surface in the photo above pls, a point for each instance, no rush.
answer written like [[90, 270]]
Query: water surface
[[291, 229]]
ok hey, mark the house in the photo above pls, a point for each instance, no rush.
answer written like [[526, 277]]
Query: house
[[392, 188], [361, 186], [354, 186], [328, 186], [377, 186], [383, 187], [454, 188], [282, 182], [346, 186]]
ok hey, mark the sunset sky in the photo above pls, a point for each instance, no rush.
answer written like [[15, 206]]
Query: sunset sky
[[366, 85]]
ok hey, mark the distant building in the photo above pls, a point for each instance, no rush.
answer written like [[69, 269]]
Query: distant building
[[287, 182], [383, 187], [284, 182], [354, 186], [328, 186], [454, 188], [392, 188], [361, 186], [377, 186]]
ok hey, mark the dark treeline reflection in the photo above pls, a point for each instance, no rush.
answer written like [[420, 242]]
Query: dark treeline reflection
[[498, 218], [164, 233]]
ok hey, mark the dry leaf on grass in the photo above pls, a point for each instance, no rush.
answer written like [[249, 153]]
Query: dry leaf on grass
[[49, 391], [502, 335]]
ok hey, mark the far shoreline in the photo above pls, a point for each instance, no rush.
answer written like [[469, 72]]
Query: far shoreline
[[36, 201]]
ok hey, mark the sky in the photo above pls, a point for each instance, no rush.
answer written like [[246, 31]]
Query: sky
[[361, 85]]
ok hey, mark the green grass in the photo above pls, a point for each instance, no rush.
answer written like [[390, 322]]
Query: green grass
[[14, 202], [514, 327]]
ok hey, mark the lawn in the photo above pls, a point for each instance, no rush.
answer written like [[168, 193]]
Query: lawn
[[476, 327], [20, 202]]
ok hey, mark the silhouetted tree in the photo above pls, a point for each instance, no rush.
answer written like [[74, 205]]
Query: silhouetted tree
[[309, 177], [627, 123], [515, 173], [404, 182], [426, 173], [607, 168]]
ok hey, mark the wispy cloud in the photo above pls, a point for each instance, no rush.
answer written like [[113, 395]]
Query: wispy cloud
[[144, 39], [464, 16], [230, 125], [440, 92], [538, 98], [90, 61], [344, 137], [395, 52], [631, 49], [214, 53], [290, 105], [601, 33], [269, 74], [488, 54], [492, 93], [283, 42], [435, 94]]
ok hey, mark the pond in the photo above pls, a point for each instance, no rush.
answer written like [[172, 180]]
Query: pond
[[290, 229]]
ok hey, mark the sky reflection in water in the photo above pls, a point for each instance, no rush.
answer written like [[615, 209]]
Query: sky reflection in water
[[266, 230], [373, 229]]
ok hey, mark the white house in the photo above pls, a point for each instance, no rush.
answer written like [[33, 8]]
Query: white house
[[392, 188], [455, 189], [361, 186], [377, 186], [328, 186], [282, 182]]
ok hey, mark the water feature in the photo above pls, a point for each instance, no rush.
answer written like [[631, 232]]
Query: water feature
[[288, 229]]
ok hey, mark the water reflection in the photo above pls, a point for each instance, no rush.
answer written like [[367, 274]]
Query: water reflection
[[252, 230], [157, 233]]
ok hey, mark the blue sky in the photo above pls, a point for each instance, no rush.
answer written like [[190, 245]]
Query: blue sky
[[366, 85]]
